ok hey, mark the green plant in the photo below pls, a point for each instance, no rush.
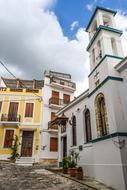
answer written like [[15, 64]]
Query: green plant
[[65, 162], [73, 159], [14, 148]]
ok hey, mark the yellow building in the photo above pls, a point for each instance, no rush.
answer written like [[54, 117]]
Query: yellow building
[[20, 114]]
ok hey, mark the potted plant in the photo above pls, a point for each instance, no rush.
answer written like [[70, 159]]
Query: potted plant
[[14, 148], [79, 173], [72, 161], [65, 165]]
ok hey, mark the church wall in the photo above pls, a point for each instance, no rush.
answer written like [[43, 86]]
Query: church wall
[[100, 157], [107, 161]]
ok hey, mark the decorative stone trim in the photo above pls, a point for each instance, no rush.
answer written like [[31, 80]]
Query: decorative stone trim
[[107, 55], [99, 8], [109, 136], [104, 81], [101, 27]]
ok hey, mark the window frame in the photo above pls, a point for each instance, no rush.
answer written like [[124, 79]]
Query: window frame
[[28, 116], [3, 143], [74, 131], [87, 132]]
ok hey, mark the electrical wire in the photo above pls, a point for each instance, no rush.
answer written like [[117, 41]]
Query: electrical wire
[[22, 84]]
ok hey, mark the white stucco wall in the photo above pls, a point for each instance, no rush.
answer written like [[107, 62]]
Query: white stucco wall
[[46, 117]]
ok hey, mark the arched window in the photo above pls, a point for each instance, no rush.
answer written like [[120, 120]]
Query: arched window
[[74, 138], [101, 115], [88, 126], [114, 47]]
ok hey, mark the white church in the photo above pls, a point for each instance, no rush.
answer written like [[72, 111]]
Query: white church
[[95, 123]]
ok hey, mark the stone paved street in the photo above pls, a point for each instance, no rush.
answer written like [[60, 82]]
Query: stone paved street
[[13, 177]]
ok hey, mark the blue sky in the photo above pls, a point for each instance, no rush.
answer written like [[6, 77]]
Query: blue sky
[[39, 35], [69, 11]]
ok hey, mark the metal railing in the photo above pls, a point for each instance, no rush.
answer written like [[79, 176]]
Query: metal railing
[[63, 82], [10, 117], [58, 101]]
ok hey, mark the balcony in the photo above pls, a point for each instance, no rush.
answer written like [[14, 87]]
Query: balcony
[[57, 103], [63, 84], [10, 119], [52, 127]]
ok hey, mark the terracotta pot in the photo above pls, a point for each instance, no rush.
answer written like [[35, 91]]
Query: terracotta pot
[[65, 170], [72, 172], [79, 175]]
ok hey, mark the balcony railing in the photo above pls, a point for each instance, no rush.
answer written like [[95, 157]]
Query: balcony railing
[[10, 118], [51, 125], [63, 82], [58, 101]]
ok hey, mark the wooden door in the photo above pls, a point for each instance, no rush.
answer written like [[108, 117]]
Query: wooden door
[[27, 144], [53, 117], [66, 98], [55, 97], [53, 144], [13, 110], [64, 146]]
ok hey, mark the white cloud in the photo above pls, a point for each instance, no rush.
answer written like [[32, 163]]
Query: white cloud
[[32, 40], [121, 23], [90, 6], [74, 25]]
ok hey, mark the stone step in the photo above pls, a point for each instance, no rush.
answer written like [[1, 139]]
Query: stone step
[[25, 161]]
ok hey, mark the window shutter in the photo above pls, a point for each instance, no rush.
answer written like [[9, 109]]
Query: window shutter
[[8, 138], [53, 144], [29, 110], [66, 98], [53, 116]]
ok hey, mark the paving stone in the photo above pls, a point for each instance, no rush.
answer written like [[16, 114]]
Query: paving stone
[[13, 177]]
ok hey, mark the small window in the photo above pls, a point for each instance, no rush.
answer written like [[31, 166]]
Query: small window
[[8, 138], [114, 47], [93, 57], [0, 105], [66, 98], [29, 110], [53, 144]]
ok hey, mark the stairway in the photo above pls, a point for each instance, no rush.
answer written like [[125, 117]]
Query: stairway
[[25, 161]]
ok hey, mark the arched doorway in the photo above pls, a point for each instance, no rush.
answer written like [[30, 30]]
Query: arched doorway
[[101, 115]]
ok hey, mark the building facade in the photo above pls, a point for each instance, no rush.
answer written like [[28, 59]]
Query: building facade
[[58, 91], [96, 124], [20, 114]]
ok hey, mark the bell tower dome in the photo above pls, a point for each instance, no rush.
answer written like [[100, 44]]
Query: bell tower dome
[[104, 46]]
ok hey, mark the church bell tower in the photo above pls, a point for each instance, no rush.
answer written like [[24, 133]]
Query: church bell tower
[[104, 46]]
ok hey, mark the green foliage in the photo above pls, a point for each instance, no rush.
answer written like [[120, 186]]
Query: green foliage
[[14, 148], [65, 162], [73, 159]]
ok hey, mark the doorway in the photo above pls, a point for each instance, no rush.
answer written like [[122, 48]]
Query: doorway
[[27, 144]]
